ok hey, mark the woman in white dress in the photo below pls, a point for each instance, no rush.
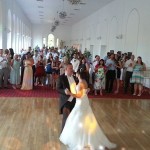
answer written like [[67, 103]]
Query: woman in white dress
[[81, 130]]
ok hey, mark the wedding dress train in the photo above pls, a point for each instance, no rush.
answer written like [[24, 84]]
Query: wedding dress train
[[82, 130]]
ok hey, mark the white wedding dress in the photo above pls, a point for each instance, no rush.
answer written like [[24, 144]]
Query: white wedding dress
[[81, 130]]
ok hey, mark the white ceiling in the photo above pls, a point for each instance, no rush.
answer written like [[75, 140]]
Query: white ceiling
[[50, 8]]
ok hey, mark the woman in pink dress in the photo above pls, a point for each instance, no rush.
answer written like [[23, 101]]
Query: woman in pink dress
[[40, 71]]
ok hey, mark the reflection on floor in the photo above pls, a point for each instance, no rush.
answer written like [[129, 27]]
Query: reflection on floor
[[34, 123]]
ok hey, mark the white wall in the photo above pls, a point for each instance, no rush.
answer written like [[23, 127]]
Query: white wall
[[0, 24], [15, 28], [42, 31], [126, 19]]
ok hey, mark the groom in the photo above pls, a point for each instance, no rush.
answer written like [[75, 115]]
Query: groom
[[66, 102]]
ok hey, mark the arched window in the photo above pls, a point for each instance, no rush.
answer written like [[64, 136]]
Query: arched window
[[57, 42], [23, 36], [8, 29], [51, 40], [0, 24], [14, 33], [44, 42], [20, 36], [17, 35], [29, 37]]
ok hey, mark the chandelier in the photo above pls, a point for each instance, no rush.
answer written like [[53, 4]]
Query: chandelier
[[74, 2], [62, 14], [53, 28], [56, 23]]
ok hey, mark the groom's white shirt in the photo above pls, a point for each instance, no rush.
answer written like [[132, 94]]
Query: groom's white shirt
[[72, 85]]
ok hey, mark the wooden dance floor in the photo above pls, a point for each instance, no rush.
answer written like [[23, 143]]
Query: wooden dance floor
[[34, 123]]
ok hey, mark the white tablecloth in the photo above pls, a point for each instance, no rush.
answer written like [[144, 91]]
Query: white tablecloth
[[146, 82]]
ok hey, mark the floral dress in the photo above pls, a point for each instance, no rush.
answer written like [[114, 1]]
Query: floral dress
[[137, 76], [99, 82]]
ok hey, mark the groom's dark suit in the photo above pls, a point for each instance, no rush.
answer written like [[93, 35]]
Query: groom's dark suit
[[64, 104]]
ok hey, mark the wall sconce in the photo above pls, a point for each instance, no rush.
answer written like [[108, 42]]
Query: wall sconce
[[99, 38], [120, 36]]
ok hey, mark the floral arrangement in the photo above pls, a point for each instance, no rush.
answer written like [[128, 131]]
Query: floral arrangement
[[69, 53], [87, 54]]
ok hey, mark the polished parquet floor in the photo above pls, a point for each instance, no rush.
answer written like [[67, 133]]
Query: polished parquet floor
[[34, 123]]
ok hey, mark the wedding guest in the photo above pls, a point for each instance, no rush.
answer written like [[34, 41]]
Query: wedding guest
[[124, 69], [137, 76], [99, 82], [56, 71], [22, 62], [15, 72], [35, 58], [63, 64], [75, 63], [84, 67], [107, 57], [129, 70], [111, 73], [118, 72], [40, 71], [5, 60], [49, 70], [11, 53], [27, 83], [96, 61]]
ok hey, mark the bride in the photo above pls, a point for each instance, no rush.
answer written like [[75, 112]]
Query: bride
[[81, 130]]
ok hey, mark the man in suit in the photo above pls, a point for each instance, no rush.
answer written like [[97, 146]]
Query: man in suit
[[66, 102]]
